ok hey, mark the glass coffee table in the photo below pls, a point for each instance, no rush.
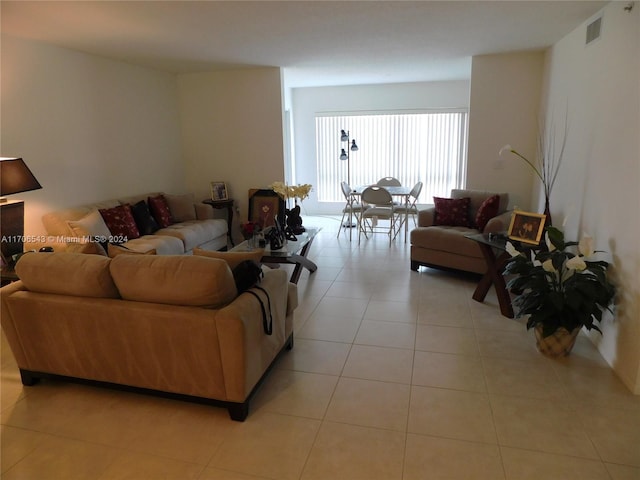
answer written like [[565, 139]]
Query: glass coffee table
[[293, 252]]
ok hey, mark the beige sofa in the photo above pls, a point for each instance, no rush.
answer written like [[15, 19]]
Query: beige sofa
[[171, 324], [195, 226], [446, 247]]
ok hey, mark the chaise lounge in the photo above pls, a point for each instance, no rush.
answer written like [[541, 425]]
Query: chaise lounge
[[439, 239]]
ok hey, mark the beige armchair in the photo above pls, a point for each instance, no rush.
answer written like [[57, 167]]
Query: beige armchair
[[445, 246]]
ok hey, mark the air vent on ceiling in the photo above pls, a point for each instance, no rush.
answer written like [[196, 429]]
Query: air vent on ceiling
[[593, 30]]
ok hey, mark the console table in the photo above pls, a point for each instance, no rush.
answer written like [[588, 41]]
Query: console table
[[228, 204]]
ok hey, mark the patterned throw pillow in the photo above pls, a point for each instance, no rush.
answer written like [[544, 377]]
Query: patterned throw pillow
[[144, 220], [120, 222], [487, 211], [160, 211], [453, 212]]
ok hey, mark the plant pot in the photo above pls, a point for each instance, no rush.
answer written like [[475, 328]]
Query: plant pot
[[558, 344]]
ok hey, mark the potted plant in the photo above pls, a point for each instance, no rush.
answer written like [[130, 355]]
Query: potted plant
[[559, 289]]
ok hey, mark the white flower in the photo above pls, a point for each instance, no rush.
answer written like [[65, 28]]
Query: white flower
[[547, 265], [506, 148], [576, 263], [550, 246], [511, 250], [585, 246]]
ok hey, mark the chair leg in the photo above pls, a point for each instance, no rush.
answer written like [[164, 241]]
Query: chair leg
[[340, 228]]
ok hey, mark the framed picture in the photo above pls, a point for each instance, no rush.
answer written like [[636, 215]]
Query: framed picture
[[265, 206], [526, 227], [219, 191]]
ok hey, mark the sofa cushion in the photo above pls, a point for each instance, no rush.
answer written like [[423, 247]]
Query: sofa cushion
[[147, 225], [174, 279], [91, 224], [120, 222], [182, 207], [232, 258], [115, 250], [487, 211], [452, 212], [195, 232], [75, 274], [478, 197], [447, 239], [88, 247], [162, 244], [160, 210]]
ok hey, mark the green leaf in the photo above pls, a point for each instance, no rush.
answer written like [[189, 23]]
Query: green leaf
[[556, 237]]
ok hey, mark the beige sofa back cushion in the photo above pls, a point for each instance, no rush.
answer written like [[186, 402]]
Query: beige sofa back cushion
[[75, 274], [233, 259], [174, 279], [477, 198]]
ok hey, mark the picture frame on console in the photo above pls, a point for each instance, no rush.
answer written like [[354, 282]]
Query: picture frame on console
[[265, 205], [526, 227], [219, 191]]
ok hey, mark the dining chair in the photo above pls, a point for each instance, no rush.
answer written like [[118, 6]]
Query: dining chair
[[351, 210], [389, 182], [402, 211], [380, 207]]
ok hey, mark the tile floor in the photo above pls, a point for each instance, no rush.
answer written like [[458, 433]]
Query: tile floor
[[394, 375]]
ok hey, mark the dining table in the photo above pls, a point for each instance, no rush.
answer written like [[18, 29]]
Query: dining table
[[402, 192]]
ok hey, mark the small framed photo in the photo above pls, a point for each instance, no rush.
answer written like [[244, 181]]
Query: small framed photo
[[219, 191], [526, 227]]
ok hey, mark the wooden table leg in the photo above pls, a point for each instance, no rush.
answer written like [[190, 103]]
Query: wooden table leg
[[494, 277]]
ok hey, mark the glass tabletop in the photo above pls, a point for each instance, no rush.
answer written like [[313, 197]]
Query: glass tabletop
[[291, 247]]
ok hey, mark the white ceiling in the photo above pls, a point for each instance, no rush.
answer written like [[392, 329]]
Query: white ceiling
[[318, 42]]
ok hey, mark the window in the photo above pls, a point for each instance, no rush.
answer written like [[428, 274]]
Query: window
[[424, 146]]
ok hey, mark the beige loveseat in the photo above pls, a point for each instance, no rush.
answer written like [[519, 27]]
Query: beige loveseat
[[194, 227], [169, 323], [445, 246]]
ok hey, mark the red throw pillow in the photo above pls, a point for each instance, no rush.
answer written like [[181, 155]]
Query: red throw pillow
[[487, 211], [120, 222], [160, 210], [453, 212]]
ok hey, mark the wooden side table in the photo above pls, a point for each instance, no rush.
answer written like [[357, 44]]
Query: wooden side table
[[220, 204], [8, 275], [493, 276]]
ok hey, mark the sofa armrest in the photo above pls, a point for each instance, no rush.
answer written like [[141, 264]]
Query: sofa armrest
[[499, 223], [292, 298], [245, 350], [426, 217]]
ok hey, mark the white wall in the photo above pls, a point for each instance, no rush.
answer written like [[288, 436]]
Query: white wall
[[504, 108], [308, 101], [89, 128], [232, 130], [598, 86]]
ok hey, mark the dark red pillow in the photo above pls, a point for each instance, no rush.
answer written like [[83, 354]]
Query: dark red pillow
[[487, 211], [453, 212], [120, 222], [160, 210]]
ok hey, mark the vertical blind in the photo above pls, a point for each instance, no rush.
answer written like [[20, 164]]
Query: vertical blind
[[428, 147]]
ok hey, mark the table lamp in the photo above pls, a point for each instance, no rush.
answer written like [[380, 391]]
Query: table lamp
[[15, 177]]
